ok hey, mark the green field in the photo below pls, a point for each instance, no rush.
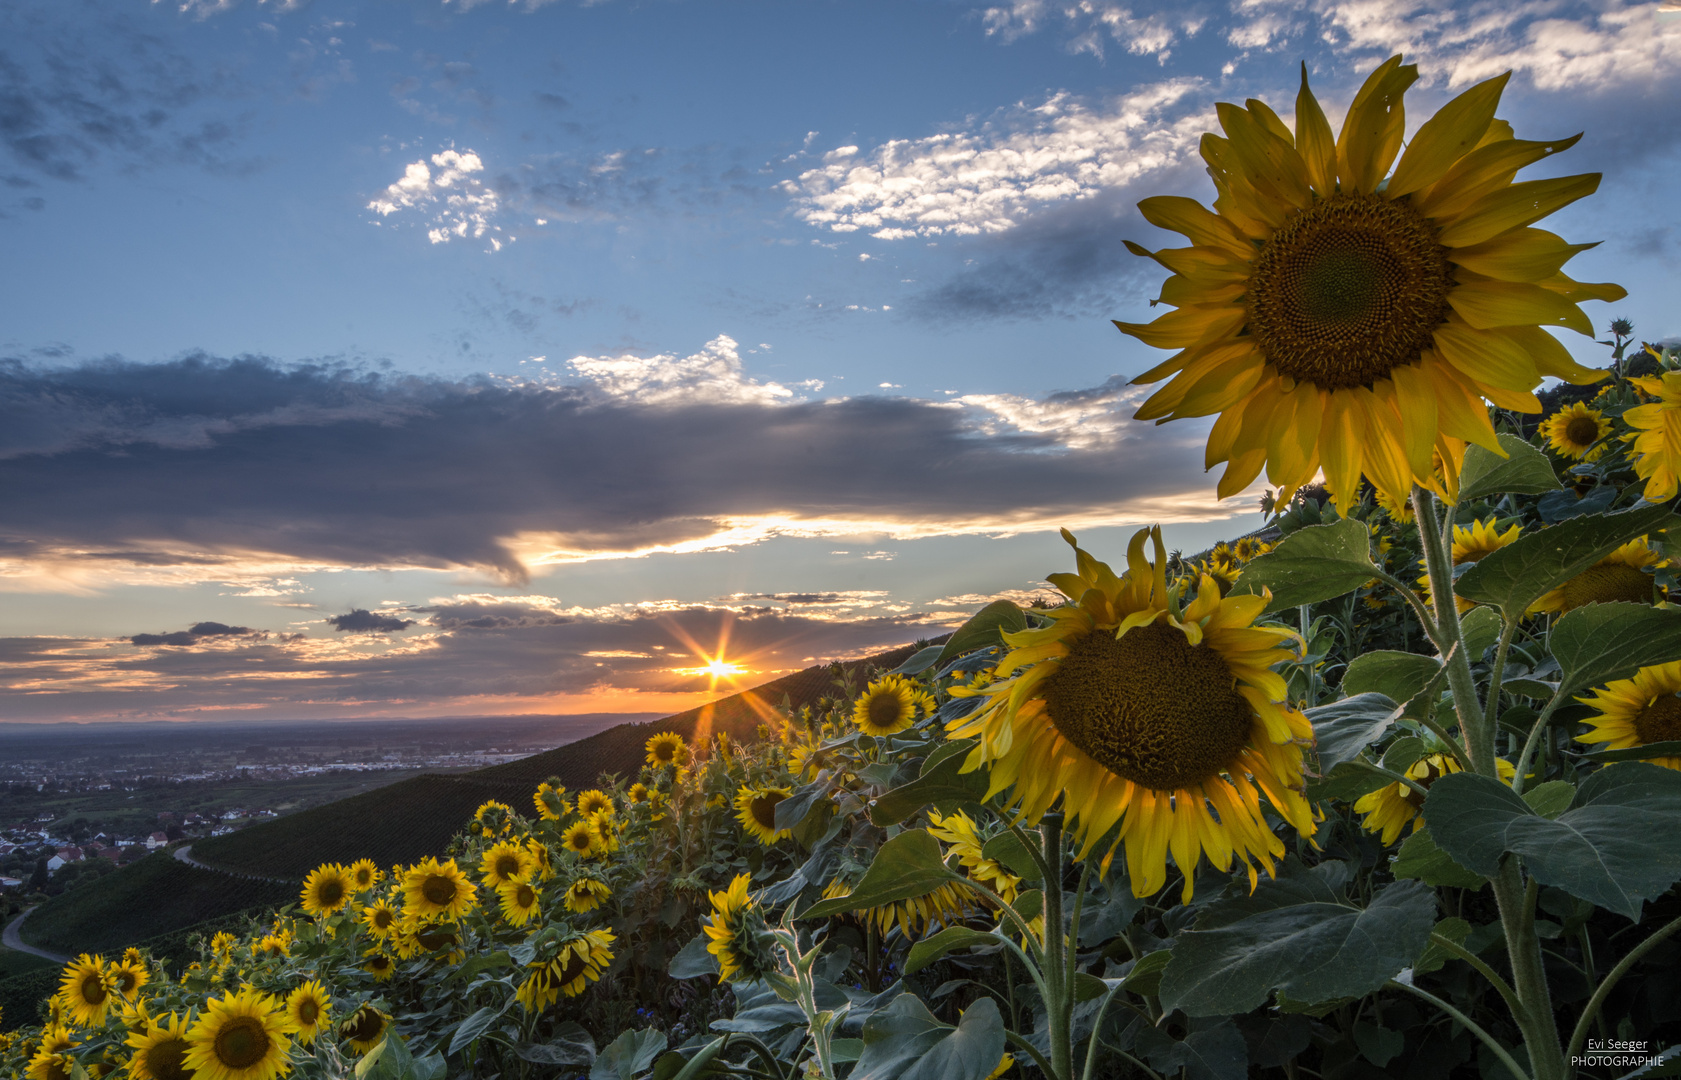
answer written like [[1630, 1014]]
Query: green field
[[16, 963], [157, 895]]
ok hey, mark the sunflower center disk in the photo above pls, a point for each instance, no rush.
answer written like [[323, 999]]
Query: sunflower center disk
[[331, 893], [438, 890], [763, 809], [1348, 290], [524, 897], [308, 1011], [93, 990], [574, 968], [1607, 584], [1660, 721], [164, 1060], [886, 710], [1150, 707], [507, 866], [1582, 431], [242, 1043]]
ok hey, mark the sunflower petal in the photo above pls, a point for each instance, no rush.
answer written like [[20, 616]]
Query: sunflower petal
[[1577, 291], [1519, 255], [1269, 163], [1453, 132], [1204, 227], [1485, 305], [1459, 404], [1484, 171], [1520, 204], [1416, 399], [1551, 357], [1490, 359], [1187, 326], [1371, 133], [1314, 141], [1340, 452]]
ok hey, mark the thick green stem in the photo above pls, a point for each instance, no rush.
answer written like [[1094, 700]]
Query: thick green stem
[[1534, 740], [1059, 1000], [1478, 736], [1497, 673], [1529, 977]]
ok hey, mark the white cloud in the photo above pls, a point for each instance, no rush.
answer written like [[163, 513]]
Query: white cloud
[[454, 200], [1152, 34], [712, 376], [987, 179], [1084, 420]]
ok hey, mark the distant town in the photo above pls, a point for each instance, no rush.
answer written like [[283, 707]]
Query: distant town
[[77, 801]]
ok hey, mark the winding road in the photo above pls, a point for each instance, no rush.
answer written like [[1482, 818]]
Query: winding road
[[9, 937]]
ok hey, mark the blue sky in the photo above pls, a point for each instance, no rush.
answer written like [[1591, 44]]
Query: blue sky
[[548, 329]]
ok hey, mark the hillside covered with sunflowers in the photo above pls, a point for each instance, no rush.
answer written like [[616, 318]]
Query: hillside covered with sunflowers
[[1389, 790]]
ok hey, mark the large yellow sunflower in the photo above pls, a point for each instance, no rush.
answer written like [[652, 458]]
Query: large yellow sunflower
[[494, 818], [593, 801], [1170, 723], [240, 1036], [85, 990], [127, 976], [1657, 434], [364, 874], [381, 919], [581, 960], [581, 839], [50, 1064], [505, 863], [1635, 712], [519, 902], [1471, 544], [1388, 809], [327, 889], [1621, 575], [365, 1029], [433, 889], [306, 1009], [1338, 315], [542, 864], [1574, 430], [586, 894], [755, 808], [887, 706], [160, 1051], [665, 748], [551, 802], [949, 904]]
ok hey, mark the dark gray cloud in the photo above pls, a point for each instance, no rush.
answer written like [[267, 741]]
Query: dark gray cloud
[[80, 85], [194, 634], [363, 621], [204, 460]]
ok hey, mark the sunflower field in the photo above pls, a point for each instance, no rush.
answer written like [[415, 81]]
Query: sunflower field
[[1391, 789]]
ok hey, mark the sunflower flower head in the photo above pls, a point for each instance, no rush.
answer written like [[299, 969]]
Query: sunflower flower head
[[586, 893], [582, 840], [551, 802], [379, 964], [243, 1035], [738, 936], [579, 962], [1657, 434], [381, 919], [665, 749], [1638, 711], [887, 706], [637, 794], [755, 808], [1169, 723], [433, 889], [364, 1029], [494, 818], [327, 889], [1346, 305], [1575, 432], [946, 905], [504, 863], [1471, 544], [160, 1050], [593, 801], [1390, 809], [1620, 576], [542, 864], [364, 874], [85, 990], [307, 1008], [519, 901], [128, 976]]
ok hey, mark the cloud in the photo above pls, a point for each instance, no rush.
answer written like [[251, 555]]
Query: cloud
[[1091, 21], [249, 471], [363, 621], [194, 634], [1013, 164], [453, 200]]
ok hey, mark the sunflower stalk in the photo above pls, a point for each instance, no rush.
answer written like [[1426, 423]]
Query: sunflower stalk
[[1058, 974], [1534, 1017]]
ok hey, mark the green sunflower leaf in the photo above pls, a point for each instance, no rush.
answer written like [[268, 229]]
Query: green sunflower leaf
[[1419, 857], [693, 961], [1645, 752], [906, 867], [1533, 565], [631, 1053], [1524, 471], [1606, 849], [1319, 562], [942, 783], [1397, 675], [905, 1042], [985, 628], [1342, 729], [1597, 643], [1295, 939], [950, 939]]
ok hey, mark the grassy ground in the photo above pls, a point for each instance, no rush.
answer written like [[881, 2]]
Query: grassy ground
[[16, 963], [157, 895]]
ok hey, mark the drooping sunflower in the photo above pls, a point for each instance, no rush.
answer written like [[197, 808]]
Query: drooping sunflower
[[586, 894], [1169, 723], [505, 863], [241, 1035], [133, 955], [365, 1029], [1639, 711], [887, 706], [1390, 808], [519, 902], [665, 748], [327, 889], [1472, 544], [551, 802], [581, 839], [85, 990], [364, 874], [541, 862], [307, 1008], [755, 808], [221, 945], [593, 801], [1574, 430], [494, 818], [440, 939], [580, 961], [1621, 575], [160, 1050], [433, 889], [947, 905], [379, 964], [1338, 315], [607, 828], [127, 976], [1657, 435], [381, 919], [959, 830], [733, 938]]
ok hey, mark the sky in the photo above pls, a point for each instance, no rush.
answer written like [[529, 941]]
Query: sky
[[467, 357]]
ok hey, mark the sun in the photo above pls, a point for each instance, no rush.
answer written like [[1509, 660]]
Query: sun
[[723, 669]]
